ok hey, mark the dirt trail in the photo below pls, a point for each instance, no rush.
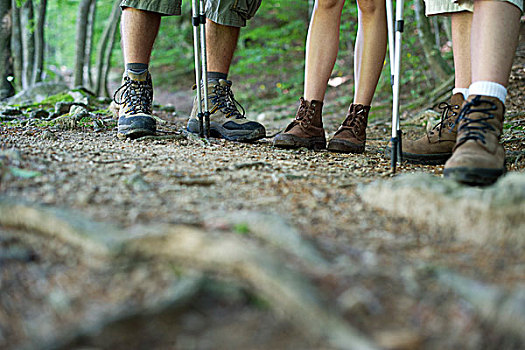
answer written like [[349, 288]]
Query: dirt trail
[[384, 276]]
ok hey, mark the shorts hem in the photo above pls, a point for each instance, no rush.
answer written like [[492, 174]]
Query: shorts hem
[[231, 21], [153, 6]]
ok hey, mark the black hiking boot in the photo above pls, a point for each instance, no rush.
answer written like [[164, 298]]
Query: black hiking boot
[[134, 99], [225, 119]]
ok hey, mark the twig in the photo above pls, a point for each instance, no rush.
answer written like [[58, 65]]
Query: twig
[[161, 137], [111, 161]]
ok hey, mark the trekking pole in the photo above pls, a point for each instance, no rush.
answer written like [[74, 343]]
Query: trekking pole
[[396, 140], [390, 30], [201, 63]]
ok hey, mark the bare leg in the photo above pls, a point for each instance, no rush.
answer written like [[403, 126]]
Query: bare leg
[[139, 30], [370, 49], [221, 42], [495, 29], [322, 45], [461, 24]]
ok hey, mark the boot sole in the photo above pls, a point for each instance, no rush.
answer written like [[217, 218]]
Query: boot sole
[[341, 146], [294, 142], [123, 133], [136, 126], [217, 131], [426, 159], [474, 176]]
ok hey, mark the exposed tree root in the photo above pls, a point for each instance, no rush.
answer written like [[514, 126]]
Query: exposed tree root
[[263, 272], [502, 309]]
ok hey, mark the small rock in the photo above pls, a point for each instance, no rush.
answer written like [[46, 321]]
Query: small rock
[[78, 112], [261, 117], [358, 299], [9, 111], [104, 100], [401, 339], [63, 107], [137, 183], [39, 114], [79, 97], [48, 135], [167, 108]]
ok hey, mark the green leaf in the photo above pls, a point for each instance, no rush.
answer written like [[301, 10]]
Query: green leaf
[[23, 173]]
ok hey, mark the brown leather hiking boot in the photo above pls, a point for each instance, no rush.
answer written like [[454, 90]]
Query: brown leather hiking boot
[[436, 146], [351, 135], [478, 158], [306, 130]]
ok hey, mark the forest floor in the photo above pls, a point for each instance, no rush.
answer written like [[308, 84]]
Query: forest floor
[[180, 243]]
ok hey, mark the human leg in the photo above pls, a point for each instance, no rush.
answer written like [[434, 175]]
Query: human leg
[[370, 50], [461, 23], [494, 40], [221, 41], [436, 146], [322, 44], [135, 97], [139, 30], [479, 157]]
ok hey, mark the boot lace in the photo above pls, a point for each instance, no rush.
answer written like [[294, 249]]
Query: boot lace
[[304, 114], [224, 100], [475, 128], [355, 121], [135, 95], [447, 111]]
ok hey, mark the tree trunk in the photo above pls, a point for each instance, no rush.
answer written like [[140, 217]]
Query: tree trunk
[[16, 45], [105, 46], [80, 52], [28, 42], [445, 21], [109, 52], [39, 42], [439, 66], [6, 89], [88, 78]]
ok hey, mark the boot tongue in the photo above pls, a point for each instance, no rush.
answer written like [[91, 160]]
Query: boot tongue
[[224, 82], [137, 77], [356, 111], [457, 100], [317, 107]]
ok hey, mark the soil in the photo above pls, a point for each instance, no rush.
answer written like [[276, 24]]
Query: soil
[[55, 296]]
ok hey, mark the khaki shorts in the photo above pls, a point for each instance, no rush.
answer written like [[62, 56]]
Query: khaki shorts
[[439, 7], [233, 13]]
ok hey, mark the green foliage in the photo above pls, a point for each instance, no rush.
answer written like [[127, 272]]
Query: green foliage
[[241, 228], [268, 67], [52, 100]]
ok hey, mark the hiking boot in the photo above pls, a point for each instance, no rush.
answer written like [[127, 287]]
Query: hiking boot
[[135, 98], [436, 146], [306, 130], [478, 157], [225, 119], [351, 135]]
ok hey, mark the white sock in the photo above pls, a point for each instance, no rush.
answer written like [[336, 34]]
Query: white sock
[[488, 88], [463, 91]]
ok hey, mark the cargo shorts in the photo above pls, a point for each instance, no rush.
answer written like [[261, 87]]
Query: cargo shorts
[[439, 7], [233, 13]]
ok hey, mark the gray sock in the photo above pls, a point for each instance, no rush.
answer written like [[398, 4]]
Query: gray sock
[[136, 68], [217, 76]]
